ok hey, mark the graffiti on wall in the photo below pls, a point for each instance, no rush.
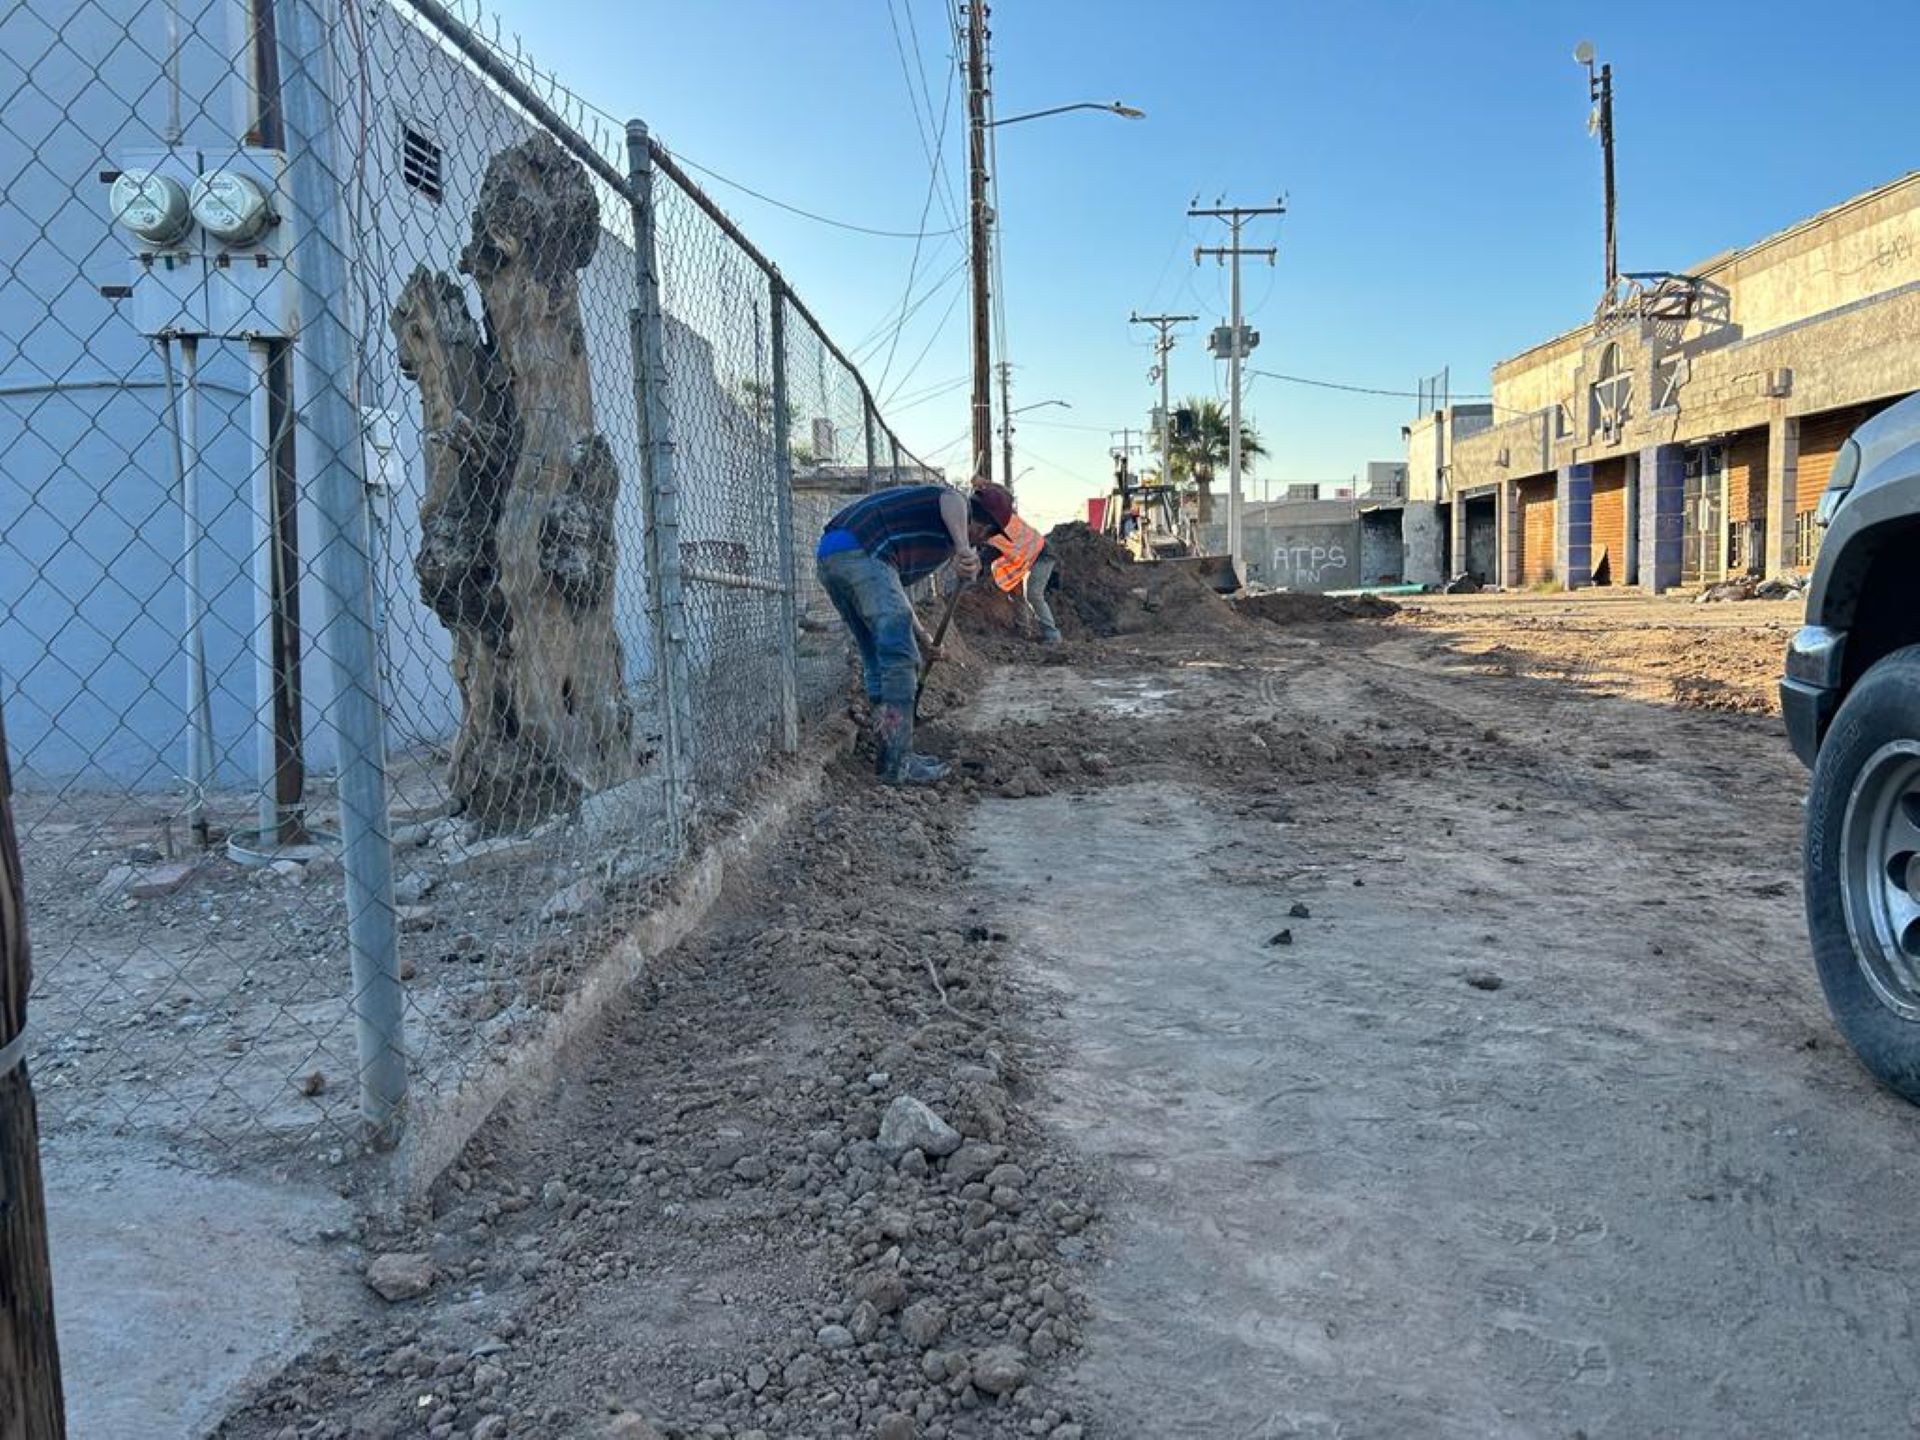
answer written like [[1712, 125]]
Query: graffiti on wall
[[1311, 566]]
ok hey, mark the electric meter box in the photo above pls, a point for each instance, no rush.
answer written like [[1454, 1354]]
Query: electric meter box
[[239, 204], [149, 202]]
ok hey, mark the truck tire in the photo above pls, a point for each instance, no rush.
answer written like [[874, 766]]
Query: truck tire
[[1862, 870]]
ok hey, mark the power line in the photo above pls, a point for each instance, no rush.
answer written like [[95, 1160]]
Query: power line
[[938, 331], [1377, 390], [871, 342], [810, 214], [935, 168]]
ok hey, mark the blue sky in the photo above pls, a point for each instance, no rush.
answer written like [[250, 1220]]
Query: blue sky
[[1443, 194]]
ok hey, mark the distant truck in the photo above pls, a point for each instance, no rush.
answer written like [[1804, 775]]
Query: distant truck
[[1851, 701]]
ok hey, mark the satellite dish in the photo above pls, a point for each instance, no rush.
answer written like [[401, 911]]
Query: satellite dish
[[1583, 53], [1593, 121]]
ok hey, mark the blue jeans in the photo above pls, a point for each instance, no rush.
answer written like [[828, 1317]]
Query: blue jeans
[[868, 594]]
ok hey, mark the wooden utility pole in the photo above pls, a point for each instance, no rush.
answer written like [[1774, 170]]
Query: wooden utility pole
[[981, 255], [31, 1407]]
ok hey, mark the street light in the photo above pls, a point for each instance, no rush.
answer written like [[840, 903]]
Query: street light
[[1600, 122], [1006, 423], [1112, 107]]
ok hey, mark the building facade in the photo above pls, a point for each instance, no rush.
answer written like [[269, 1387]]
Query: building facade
[[1684, 435]]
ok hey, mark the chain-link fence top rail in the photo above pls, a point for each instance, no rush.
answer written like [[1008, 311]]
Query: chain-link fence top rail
[[189, 658]]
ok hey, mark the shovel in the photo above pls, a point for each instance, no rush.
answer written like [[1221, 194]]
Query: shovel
[[939, 634]]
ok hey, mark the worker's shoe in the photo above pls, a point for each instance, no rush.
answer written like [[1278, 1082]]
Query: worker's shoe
[[918, 769]]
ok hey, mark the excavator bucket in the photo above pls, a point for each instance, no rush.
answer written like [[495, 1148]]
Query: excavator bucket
[[1213, 571]]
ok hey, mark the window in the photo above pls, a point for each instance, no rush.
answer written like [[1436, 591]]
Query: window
[[1612, 395], [422, 164]]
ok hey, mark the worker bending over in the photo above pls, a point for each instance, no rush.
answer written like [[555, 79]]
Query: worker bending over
[[1026, 566], [870, 552]]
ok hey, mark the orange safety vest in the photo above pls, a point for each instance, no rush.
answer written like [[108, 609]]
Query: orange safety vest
[[1019, 546]]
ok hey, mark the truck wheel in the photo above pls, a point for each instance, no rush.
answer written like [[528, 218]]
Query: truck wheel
[[1862, 870]]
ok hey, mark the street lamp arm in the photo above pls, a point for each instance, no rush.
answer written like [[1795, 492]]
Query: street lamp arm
[[1112, 107]]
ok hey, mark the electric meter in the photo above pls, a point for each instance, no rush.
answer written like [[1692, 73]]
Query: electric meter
[[231, 207], [151, 205]]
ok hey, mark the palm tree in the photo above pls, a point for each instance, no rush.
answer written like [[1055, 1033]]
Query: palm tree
[[1195, 460]]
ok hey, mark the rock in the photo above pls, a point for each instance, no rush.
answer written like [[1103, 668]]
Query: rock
[[757, 1377], [864, 1322], [1484, 980], [613, 814], [834, 1337], [897, 1426], [1283, 937], [752, 1168], [579, 900], [914, 1163], [973, 1161], [910, 1125], [412, 837], [1462, 584], [923, 1322], [415, 918], [400, 1276], [1011, 1177], [629, 1426], [1000, 1370], [313, 1083], [883, 1290], [1067, 1432], [492, 1427], [1299, 911], [1096, 762], [478, 857], [146, 882], [553, 1194], [412, 888]]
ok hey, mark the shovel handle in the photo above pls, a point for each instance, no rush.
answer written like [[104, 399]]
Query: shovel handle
[[939, 634]]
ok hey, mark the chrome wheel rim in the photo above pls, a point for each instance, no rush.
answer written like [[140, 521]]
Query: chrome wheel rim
[[1880, 886]]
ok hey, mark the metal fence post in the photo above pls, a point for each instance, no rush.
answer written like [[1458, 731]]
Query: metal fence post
[[783, 505], [666, 597], [338, 491], [866, 407]]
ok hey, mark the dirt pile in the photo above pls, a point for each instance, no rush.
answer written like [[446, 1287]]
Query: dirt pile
[[789, 1191], [1104, 591], [1288, 608]]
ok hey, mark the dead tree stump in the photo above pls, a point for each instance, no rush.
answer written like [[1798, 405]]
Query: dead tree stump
[[517, 551]]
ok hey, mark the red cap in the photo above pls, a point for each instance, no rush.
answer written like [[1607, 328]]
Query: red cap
[[996, 501]]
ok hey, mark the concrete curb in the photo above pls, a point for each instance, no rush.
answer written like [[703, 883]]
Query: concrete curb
[[438, 1131]]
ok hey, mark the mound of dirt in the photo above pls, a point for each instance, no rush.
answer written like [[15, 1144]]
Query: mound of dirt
[[1289, 608], [1104, 591]]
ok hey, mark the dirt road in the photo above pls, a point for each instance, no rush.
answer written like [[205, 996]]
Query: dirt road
[[1369, 1041]]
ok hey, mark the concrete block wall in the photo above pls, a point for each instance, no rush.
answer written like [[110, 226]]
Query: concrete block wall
[[1783, 473], [1662, 492]]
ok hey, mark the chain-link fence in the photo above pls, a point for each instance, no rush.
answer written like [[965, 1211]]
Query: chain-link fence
[[407, 534]]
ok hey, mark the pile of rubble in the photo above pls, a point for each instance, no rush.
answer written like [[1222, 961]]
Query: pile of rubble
[[1753, 587], [791, 1194]]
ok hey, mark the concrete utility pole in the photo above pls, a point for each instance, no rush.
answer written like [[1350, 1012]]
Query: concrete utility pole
[[1006, 423], [981, 257], [1238, 344], [1162, 347]]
